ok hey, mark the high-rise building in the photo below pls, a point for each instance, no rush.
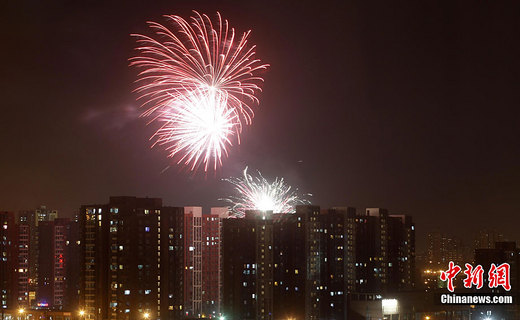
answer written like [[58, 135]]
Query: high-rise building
[[290, 265], [53, 262], [385, 252], [486, 239], [202, 275], [193, 261], [401, 253], [319, 258], [443, 248], [339, 272], [309, 264], [73, 267], [211, 260], [371, 251], [314, 256], [31, 220], [248, 264], [132, 253], [8, 260], [23, 288]]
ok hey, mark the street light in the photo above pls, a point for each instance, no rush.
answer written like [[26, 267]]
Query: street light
[[82, 313], [146, 315], [21, 312]]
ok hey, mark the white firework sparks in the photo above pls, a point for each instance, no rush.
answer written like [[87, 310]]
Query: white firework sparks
[[198, 126], [257, 193]]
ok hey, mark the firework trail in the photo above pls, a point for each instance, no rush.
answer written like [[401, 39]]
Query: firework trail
[[257, 193], [191, 63]]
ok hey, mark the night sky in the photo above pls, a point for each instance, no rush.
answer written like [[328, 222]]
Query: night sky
[[404, 105]]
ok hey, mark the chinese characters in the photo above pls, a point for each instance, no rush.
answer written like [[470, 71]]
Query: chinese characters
[[498, 276]]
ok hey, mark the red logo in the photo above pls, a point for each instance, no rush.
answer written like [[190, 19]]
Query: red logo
[[497, 276], [450, 274], [474, 276]]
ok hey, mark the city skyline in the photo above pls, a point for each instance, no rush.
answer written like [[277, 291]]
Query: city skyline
[[138, 257], [411, 109], [482, 237]]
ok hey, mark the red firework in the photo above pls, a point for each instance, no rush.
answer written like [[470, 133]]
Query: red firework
[[197, 58]]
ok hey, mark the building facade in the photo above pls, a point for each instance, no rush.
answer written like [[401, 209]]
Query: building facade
[[248, 267], [202, 256], [320, 258], [25, 295], [53, 263], [486, 239], [193, 261], [8, 260], [385, 252], [29, 221], [211, 260], [132, 259]]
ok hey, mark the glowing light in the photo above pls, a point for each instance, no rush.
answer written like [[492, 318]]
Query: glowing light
[[199, 128], [82, 312], [21, 310], [390, 306], [192, 63], [257, 193]]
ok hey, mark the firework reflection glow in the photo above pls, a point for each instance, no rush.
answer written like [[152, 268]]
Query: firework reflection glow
[[257, 193], [197, 75]]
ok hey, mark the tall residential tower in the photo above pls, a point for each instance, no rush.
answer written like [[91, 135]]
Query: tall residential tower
[[132, 253]]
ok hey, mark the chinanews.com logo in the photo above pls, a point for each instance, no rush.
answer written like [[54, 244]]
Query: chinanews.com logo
[[498, 279]]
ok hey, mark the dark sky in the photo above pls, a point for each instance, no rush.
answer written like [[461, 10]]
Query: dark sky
[[410, 106]]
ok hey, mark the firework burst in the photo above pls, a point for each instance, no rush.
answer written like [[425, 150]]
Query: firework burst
[[193, 63], [198, 127], [257, 193]]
